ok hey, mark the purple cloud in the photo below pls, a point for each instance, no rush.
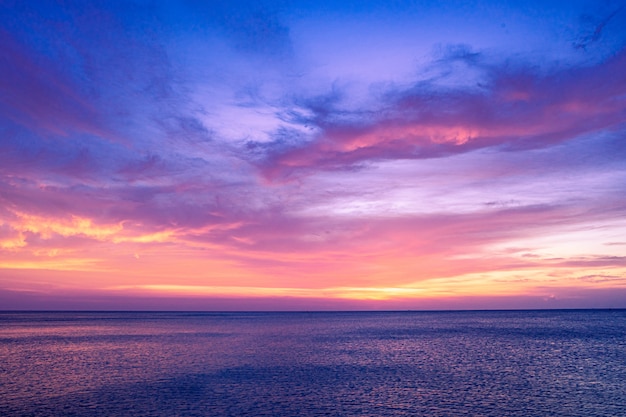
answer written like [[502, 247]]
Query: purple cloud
[[516, 107]]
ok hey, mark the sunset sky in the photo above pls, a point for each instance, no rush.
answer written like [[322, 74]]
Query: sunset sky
[[304, 155]]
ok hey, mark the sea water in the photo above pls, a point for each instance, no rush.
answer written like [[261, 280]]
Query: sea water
[[491, 363]]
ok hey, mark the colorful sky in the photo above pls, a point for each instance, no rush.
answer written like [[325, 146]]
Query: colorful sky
[[304, 155]]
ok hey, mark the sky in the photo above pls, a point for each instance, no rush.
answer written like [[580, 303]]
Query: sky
[[312, 155]]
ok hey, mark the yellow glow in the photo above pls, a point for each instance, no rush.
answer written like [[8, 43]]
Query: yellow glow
[[357, 293], [82, 264], [158, 237], [12, 244], [204, 290], [71, 226], [432, 290]]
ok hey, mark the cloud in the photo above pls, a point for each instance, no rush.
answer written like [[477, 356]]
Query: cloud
[[518, 107]]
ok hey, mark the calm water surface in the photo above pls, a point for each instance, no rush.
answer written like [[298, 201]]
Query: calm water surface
[[515, 363]]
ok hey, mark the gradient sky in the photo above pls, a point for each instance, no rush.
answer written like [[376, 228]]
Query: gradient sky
[[281, 155]]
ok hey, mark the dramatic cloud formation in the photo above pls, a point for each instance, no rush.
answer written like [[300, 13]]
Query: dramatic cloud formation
[[511, 108], [307, 155]]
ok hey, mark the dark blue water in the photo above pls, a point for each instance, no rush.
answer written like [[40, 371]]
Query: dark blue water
[[516, 363]]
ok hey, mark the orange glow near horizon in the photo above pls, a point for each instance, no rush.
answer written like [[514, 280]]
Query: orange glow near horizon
[[169, 263]]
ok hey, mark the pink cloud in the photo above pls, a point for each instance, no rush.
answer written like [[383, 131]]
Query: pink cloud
[[518, 108]]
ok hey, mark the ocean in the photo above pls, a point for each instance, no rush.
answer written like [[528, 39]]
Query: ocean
[[478, 363]]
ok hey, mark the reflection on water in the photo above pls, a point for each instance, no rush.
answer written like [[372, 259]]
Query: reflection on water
[[524, 363]]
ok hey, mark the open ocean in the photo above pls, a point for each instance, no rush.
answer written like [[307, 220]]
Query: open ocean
[[487, 363]]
